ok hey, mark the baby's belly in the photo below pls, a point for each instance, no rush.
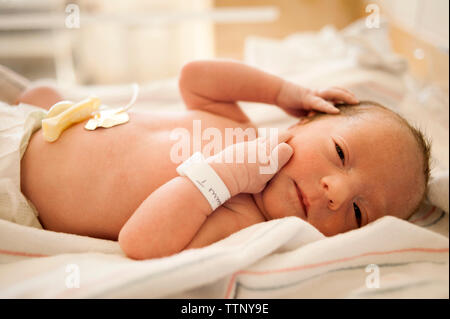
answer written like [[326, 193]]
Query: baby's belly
[[90, 182]]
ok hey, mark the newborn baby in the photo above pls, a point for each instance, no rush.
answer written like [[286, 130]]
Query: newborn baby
[[337, 171]]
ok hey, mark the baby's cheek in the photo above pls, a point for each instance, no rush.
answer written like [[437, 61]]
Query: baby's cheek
[[302, 160], [326, 226], [331, 223], [277, 199]]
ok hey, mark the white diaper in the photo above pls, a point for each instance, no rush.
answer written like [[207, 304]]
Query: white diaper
[[17, 124]]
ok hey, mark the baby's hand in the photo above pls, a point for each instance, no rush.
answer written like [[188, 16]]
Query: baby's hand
[[242, 167], [299, 101]]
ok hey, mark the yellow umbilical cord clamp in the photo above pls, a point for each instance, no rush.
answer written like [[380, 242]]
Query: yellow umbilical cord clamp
[[111, 117], [63, 115]]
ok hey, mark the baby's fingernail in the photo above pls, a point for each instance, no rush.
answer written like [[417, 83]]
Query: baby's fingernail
[[331, 108]]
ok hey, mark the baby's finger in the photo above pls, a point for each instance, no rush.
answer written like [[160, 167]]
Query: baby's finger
[[269, 143], [284, 136], [280, 156], [352, 97], [338, 94], [311, 114], [318, 104], [345, 90]]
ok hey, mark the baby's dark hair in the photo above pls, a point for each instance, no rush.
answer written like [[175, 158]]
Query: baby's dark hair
[[423, 143]]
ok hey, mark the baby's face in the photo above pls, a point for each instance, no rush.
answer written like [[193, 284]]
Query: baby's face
[[348, 171]]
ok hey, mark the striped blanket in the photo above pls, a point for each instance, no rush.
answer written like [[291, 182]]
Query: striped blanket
[[284, 258]]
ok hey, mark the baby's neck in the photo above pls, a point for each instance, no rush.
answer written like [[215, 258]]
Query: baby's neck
[[257, 199], [249, 205]]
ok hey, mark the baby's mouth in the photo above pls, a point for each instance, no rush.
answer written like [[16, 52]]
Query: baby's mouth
[[302, 199]]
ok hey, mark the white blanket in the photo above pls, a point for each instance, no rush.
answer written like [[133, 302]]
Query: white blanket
[[284, 258]]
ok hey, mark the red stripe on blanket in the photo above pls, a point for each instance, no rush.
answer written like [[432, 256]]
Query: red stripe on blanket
[[19, 253], [310, 266]]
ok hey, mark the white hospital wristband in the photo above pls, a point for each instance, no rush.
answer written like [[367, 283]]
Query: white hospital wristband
[[205, 179]]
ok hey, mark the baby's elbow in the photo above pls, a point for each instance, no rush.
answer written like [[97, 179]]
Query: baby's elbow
[[190, 72], [191, 67], [185, 74], [134, 246], [131, 245]]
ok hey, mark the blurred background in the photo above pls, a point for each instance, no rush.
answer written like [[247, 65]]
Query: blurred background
[[111, 42]]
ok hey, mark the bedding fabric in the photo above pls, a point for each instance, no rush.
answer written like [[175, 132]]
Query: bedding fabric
[[17, 124], [284, 258]]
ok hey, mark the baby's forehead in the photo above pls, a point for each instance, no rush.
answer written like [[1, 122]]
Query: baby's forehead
[[376, 123], [387, 149], [380, 135]]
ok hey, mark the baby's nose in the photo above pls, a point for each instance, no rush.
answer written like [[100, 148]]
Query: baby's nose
[[336, 191]]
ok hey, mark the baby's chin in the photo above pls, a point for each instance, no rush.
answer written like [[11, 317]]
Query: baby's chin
[[277, 199]]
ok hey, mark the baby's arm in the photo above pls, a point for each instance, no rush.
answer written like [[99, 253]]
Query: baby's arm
[[216, 86], [174, 215], [167, 220]]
